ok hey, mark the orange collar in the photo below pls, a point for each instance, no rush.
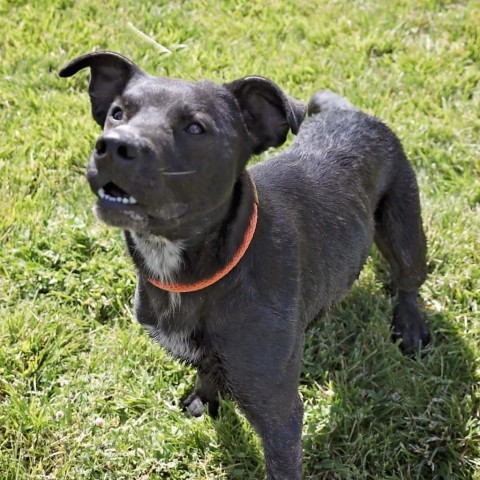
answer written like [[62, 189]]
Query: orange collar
[[200, 285]]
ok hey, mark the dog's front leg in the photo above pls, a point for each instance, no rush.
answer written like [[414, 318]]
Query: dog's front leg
[[282, 440], [262, 374], [206, 392], [278, 422]]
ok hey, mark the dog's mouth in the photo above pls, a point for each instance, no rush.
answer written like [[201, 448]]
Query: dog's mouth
[[112, 194], [118, 208]]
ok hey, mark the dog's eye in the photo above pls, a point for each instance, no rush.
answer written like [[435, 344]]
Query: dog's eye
[[117, 113], [195, 129]]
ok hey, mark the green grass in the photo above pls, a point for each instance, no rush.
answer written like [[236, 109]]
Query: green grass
[[84, 394]]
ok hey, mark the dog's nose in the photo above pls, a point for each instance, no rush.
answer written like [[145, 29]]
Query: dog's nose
[[116, 146]]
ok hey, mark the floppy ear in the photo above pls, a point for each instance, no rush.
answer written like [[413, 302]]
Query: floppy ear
[[268, 112], [110, 73]]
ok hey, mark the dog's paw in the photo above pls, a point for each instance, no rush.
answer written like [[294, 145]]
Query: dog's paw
[[193, 405], [409, 326]]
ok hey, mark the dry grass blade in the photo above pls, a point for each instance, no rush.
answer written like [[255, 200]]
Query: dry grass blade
[[149, 39]]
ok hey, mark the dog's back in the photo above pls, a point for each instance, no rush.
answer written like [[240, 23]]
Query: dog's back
[[330, 179]]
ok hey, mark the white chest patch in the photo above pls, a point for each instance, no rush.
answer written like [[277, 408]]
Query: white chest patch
[[161, 258]]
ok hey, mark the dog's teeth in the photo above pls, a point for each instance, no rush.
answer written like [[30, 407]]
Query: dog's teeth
[[125, 200]]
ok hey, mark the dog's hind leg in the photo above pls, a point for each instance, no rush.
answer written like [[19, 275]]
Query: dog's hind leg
[[400, 238]]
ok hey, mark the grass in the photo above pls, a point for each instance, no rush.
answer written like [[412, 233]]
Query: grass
[[84, 394]]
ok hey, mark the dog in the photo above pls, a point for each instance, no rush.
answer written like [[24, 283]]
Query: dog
[[232, 263]]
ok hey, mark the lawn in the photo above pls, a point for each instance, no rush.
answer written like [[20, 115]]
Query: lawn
[[84, 393]]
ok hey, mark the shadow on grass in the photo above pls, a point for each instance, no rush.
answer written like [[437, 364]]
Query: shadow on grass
[[370, 412]]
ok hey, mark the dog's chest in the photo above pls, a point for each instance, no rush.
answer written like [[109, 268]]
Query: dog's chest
[[159, 256], [184, 345], [169, 321]]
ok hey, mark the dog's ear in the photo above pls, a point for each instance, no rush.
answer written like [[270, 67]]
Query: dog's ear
[[110, 73], [267, 111]]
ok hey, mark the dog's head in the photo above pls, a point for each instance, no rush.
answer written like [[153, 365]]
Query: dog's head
[[172, 150]]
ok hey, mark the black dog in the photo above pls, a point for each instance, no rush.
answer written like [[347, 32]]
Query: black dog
[[229, 281]]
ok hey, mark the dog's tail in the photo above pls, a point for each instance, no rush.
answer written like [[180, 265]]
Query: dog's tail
[[327, 100]]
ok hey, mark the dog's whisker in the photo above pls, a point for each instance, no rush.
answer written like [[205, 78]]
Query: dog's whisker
[[189, 172]]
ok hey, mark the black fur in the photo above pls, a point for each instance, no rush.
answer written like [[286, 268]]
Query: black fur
[[180, 149]]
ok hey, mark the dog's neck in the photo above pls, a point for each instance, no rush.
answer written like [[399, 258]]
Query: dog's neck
[[191, 260], [161, 258]]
